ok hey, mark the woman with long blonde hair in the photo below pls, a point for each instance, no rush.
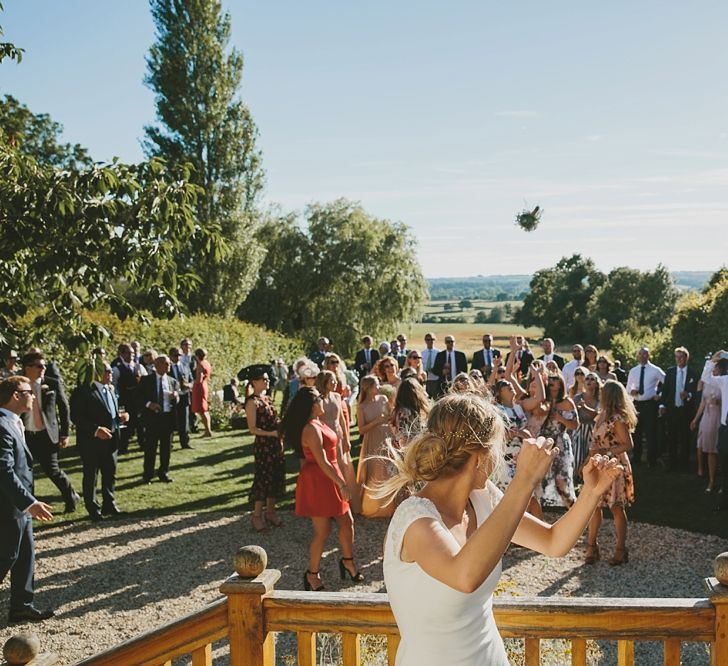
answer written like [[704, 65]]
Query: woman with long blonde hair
[[443, 550], [373, 414], [612, 437]]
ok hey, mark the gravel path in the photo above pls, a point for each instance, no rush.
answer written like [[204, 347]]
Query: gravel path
[[114, 580]]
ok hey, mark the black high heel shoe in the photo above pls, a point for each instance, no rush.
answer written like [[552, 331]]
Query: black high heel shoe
[[355, 577], [307, 584]]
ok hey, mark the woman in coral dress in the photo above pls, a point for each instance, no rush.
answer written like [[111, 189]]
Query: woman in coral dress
[[201, 389], [321, 491]]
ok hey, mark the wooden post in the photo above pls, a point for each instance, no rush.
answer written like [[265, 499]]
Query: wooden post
[[250, 642], [718, 594]]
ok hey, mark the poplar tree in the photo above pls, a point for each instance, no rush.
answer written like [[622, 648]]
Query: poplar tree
[[202, 121]]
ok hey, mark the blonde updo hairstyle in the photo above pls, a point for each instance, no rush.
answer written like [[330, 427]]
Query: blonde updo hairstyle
[[458, 426]]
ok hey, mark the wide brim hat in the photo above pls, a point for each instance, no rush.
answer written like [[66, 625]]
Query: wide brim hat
[[255, 371]]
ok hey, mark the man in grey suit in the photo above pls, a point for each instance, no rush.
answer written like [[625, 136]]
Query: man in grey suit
[[18, 505]]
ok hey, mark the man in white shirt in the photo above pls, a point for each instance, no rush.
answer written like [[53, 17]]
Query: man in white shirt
[[549, 353], [677, 405], [429, 354], [715, 372], [643, 384], [448, 363], [158, 395], [577, 351], [484, 358]]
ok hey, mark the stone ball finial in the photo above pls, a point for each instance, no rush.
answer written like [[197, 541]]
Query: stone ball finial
[[721, 568], [21, 648], [250, 561]]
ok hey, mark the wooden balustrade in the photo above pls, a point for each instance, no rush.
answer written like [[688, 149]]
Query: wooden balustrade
[[254, 610]]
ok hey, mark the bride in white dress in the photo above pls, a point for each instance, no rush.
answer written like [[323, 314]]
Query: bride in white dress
[[442, 554]]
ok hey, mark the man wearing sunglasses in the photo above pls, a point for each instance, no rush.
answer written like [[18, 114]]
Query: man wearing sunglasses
[[47, 425], [18, 505]]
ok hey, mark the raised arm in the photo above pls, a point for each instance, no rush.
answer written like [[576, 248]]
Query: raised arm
[[428, 543], [558, 539]]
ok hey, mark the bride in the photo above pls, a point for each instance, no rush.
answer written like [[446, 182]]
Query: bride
[[443, 550]]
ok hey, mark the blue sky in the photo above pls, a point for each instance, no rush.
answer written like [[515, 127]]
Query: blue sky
[[443, 115]]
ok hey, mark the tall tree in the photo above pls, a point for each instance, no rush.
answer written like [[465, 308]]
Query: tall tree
[[632, 301], [343, 274], [39, 136], [559, 298], [202, 121]]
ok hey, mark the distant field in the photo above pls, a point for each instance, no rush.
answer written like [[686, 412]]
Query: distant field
[[469, 337], [438, 307]]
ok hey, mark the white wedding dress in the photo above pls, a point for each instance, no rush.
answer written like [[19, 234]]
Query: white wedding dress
[[439, 625]]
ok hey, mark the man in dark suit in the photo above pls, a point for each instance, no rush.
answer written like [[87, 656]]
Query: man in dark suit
[[43, 433], [524, 357], [18, 505], [550, 355], [448, 363], [158, 394], [125, 374], [365, 358], [95, 411], [184, 379], [677, 403], [483, 358]]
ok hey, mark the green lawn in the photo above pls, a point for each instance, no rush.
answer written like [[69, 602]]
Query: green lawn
[[218, 472]]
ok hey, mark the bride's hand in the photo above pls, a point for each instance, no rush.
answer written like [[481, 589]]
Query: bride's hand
[[600, 472], [535, 458]]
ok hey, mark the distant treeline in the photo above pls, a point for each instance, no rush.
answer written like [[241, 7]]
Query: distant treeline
[[515, 287]]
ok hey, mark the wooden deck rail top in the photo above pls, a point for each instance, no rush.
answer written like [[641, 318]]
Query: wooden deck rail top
[[525, 617], [253, 610]]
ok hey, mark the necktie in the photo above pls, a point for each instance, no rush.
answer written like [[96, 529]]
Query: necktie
[[37, 416], [488, 360], [641, 389], [160, 395], [109, 403], [679, 387], [368, 357], [428, 360], [453, 369]]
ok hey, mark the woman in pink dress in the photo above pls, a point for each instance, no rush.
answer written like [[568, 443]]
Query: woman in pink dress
[[201, 389], [708, 416]]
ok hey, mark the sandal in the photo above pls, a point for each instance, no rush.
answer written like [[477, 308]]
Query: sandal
[[623, 559], [592, 553], [273, 520], [258, 523], [307, 584], [356, 577]]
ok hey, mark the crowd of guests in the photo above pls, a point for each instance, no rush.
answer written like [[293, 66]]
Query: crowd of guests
[[585, 407]]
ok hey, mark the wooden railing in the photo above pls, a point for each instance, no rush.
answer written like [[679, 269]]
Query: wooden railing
[[252, 611]]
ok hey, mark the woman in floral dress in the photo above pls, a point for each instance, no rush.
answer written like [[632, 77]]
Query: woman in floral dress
[[611, 437], [269, 480], [561, 420]]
